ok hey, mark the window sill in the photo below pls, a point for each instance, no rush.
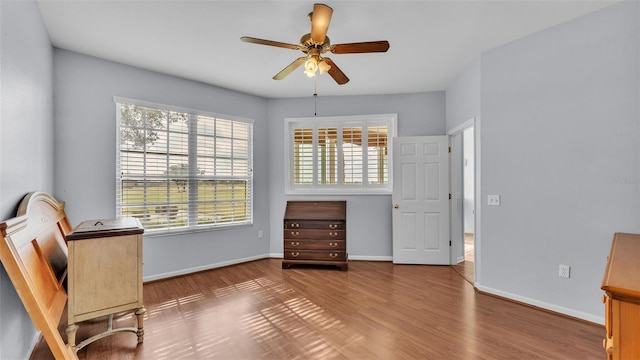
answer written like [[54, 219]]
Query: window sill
[[342, 191], [183, 231]]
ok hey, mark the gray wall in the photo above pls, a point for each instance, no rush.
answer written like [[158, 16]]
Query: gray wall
[[26, 143], [463, 96], [560, 144], [85, 154], [368, 217]]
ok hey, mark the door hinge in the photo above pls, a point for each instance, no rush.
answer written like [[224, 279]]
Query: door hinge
[[449, 196], [449, 242], [449, 148]]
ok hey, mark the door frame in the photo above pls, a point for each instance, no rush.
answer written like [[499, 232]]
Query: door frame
[[475, 123]]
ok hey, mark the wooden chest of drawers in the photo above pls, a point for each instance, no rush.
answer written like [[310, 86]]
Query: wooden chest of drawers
[[622, 298], [315, 232]]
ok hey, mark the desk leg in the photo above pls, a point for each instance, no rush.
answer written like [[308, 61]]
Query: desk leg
[[71, 336], [140, 315]]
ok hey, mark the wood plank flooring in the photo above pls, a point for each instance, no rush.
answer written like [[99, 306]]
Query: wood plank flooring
[[376, 310]]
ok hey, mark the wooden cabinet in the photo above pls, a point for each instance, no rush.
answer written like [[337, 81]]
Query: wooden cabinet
[[621, 284], [105, 274], [315, 232]]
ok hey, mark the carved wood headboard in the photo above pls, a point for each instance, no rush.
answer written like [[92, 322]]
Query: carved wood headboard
[[33, 251]]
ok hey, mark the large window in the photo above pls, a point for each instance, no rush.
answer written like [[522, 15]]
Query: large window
[[183, 170], [348, 154]]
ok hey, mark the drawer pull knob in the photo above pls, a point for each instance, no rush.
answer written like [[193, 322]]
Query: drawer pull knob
[[295, 243], [333, 234], [333, 255], [295, 233], [295, 225], [295, 254], [332, 244], [333, 226]]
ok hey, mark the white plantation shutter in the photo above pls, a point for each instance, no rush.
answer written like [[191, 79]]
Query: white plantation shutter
[[328, 154], [377, 154], [183, 170], [339, 155], [303, 155], [353, 153]]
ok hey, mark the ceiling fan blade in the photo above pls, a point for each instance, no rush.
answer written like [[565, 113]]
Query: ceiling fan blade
[[361, 47], [269, 43], [336, 73], [320, 19], [289, 69]]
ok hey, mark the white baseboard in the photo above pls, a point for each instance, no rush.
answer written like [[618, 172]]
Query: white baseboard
[[370, 258], [541, 304], [351, 257], [203, 268]]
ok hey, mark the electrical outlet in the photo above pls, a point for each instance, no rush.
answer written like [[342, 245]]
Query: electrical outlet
[[564, 271], [260, 234], [493, 200]]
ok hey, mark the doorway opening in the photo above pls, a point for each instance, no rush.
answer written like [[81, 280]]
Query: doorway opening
[[463, 187], [468, 191]]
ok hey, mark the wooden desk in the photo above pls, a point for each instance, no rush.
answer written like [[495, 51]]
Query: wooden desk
[[315, 232], [105, 275], [622, 298]]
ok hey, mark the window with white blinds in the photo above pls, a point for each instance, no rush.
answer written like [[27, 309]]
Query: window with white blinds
[[348, 154], [183, 170]]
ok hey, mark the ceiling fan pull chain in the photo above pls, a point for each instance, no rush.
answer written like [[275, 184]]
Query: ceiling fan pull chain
[[315, 96]]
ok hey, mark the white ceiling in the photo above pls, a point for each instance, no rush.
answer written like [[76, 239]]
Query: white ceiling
[[431, 41]]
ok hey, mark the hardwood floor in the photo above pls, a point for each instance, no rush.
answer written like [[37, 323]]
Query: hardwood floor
[[466, 269], [376, 310]]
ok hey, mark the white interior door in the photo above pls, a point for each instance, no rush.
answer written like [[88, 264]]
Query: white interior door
[[421, 200]]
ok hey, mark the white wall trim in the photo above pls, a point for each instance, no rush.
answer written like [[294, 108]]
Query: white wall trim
[[351, 257], [477, 201], [462, 127], [477, 221], [542, 304], [151, 104], [202, 268], [370, 258]]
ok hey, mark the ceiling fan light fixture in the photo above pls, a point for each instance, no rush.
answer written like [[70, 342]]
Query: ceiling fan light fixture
[[323, 67], [310, 67]]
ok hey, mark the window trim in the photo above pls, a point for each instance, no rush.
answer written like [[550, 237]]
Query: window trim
[[390, 119], [192, 112]]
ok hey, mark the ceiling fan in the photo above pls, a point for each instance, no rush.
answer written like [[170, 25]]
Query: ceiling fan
[[316, 43]]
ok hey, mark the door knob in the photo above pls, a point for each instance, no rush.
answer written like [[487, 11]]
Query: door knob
[[396, 206]]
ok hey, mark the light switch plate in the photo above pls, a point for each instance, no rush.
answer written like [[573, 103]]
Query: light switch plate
[[493, 200]]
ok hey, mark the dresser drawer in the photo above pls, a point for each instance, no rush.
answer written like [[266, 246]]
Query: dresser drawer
[[320, 255], [338, 245], [314, 234], [314, 224]]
